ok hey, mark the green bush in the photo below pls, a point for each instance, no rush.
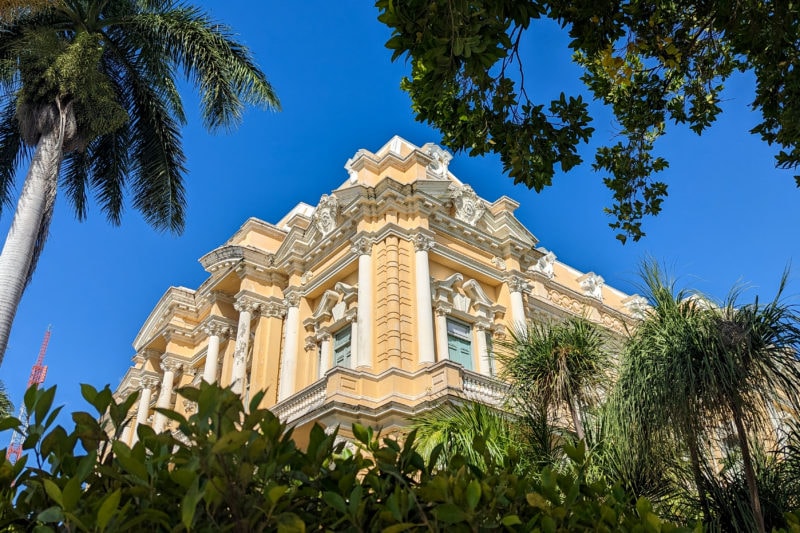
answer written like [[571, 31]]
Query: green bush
[[228, 468]]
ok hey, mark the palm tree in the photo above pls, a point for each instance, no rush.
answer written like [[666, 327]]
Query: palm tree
[[454, 429], [558, 365], [692, 366], [89, 87]]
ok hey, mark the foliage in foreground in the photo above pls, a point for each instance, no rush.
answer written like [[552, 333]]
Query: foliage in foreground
[[228, 468], [650, 63]]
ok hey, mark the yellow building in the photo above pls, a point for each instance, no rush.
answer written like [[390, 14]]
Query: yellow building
[[379, 302]]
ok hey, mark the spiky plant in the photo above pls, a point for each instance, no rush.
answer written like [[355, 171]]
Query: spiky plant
[[561, 365], [454, 427], [691, 366]]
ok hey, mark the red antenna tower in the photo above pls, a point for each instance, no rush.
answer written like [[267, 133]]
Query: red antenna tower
[[38, 373]]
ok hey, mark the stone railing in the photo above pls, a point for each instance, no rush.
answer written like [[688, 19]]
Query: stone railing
[[303, 402], [483, 389]]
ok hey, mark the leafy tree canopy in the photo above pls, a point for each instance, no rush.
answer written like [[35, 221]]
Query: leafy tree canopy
[[652, 62]]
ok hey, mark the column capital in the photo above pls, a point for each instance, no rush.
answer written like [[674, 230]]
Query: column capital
[[246, 303], [149, 382], [483, 325], [323, 334], [274, 309], [216, 326], [292, 296], [362, 246], [516, 283], [171, 364], [442, 308], [423, 242]]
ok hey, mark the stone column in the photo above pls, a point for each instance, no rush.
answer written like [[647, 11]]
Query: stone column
[[170, 367], [143, 409], [425, 339], [484, 363], [215, 329], [325, 351], [246, 307], [516, 286], [442, 349], [363, 247], [288, 371]]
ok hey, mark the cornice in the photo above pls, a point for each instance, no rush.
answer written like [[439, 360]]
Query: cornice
[[176, 301]]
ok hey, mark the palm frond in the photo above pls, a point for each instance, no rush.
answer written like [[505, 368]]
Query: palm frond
[[74, 178], [13, 151], [223, 69]]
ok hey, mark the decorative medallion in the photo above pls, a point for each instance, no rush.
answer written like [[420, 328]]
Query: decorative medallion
[[469, 207], [326, 214]]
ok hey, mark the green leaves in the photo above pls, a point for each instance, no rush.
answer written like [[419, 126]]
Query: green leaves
[[237, 468], [648, 63]]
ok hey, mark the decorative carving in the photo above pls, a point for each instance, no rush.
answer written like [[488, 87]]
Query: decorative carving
[[216, 326], [592, 285], [545, 264], [440, 159], [348, 166], [311, 343], [292, 297], [348, 292], [325, 305], [422, 242], [565, 301], [499, 262], [442, 308], [306, 277], [273, 310], [636, 305], [326, 215], [169, 364], [189, 407], [362, 246], [469, 207], [246, 304], [612, 323], [150, 382], [516, 284]]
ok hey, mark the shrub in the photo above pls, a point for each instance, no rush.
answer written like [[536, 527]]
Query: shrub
[[227, 468]]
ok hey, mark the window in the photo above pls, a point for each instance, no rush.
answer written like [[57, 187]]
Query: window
[[459, 343], [342, 347]]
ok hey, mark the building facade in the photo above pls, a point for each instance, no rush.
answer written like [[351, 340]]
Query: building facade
[[380, 302]]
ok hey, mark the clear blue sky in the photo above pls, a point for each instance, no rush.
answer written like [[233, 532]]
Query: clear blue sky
[[730, 215]]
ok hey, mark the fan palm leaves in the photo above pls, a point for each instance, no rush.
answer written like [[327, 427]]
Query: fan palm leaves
[[560, 365], [88, 88], [692, 366]]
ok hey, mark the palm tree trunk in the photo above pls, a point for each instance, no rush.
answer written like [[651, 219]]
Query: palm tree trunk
[[749, 471], [25, 234], [694, 458], [577, 420]]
